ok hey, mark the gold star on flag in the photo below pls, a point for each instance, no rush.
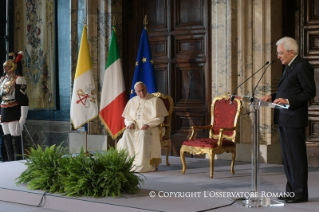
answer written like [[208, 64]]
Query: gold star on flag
[[131, 91], [144, 59], [136, 64], [152, 61]]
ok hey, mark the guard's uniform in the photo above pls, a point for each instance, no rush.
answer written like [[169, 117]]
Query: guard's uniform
[[14, 106], [13, 95]]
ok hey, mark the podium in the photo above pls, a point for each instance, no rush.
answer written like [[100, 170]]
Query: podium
[[257, 199]]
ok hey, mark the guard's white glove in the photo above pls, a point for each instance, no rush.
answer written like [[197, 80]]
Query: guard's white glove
[[24, 114]]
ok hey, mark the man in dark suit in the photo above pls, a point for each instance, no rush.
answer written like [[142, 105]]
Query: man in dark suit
[[296, 87]]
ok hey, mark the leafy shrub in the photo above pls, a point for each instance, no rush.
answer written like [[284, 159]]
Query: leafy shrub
[[99, 175], [44, 169]]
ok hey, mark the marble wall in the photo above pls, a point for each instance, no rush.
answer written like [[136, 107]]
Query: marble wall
[[243, 39]]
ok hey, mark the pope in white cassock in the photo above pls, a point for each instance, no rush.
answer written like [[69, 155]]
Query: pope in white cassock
[[142, 115]]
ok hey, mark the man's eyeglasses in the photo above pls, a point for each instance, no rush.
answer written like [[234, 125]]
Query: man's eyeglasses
[[281, 53]]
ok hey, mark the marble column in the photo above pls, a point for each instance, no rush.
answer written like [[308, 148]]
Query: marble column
[[243, 39]]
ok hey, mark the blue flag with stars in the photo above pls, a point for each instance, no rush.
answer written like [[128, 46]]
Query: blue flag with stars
[[144, 68]]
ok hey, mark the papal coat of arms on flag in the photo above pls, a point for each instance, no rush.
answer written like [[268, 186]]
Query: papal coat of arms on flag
[[83, 103]]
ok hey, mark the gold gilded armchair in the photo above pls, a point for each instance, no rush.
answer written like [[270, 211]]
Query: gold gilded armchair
[[222, 133], [165, 127]]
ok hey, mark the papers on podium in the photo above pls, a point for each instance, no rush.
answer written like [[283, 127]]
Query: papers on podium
[[263, 103], [277, 106]]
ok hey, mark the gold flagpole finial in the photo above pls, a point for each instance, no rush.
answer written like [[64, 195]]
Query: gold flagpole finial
[[145, 21], [113, 23]]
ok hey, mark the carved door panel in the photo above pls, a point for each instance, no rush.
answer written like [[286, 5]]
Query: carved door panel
[[178, 32], [309, 49], [190, 70]]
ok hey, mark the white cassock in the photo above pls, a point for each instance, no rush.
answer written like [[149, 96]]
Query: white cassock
[[144, 143]]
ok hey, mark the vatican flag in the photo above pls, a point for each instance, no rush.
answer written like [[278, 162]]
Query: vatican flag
[[84, 103]]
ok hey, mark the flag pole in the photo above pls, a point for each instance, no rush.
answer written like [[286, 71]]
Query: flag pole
[[86, 127], [145, 21], [85, 139], [85, 20], [114, 25]]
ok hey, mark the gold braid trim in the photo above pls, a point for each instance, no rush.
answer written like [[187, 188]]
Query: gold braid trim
[[10, 104], [84, 122], [108, 129]]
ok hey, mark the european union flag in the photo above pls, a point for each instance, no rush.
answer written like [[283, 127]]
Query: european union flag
[[144, 69]]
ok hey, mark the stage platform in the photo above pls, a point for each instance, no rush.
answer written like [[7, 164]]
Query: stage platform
[[174, 191]]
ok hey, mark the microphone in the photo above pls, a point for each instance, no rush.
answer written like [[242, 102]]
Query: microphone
[[253, 96], [233, 96]]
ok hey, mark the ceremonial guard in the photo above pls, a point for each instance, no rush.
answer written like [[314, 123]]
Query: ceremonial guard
[[14, 105]]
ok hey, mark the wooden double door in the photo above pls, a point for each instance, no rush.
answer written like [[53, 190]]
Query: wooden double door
[[307, 32], [178, 32]]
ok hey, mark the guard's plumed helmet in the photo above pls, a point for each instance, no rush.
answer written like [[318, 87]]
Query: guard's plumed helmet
[[12, 62]]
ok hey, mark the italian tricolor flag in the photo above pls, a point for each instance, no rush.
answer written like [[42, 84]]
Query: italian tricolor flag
[[113, 97]]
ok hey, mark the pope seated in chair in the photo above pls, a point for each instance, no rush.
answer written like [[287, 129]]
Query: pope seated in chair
[[142, 115]]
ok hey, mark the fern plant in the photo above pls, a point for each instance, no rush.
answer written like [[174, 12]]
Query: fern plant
[[80, 177], [115, 173], [106, 174], [44, 169], [99, 175]]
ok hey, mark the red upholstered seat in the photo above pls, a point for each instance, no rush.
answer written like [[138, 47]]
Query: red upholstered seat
[[222, 133], [207, 142], [165, 137], [168, 105]]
